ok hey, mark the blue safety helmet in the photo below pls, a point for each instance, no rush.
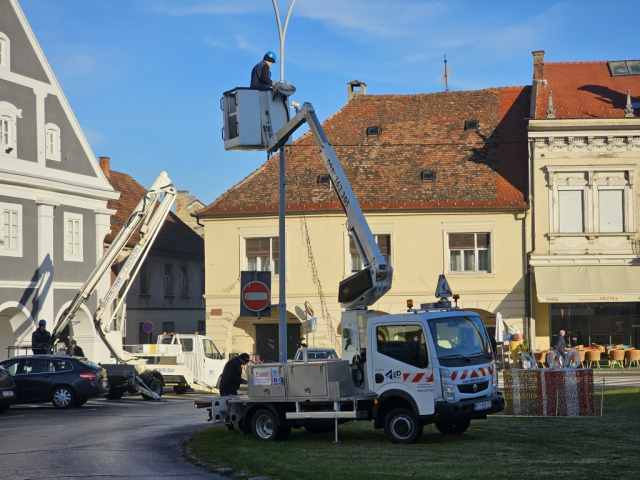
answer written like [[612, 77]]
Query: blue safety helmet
[[271, 56], [42, 322]]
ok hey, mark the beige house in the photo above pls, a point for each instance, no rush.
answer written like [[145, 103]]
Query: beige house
[[585, 154], [441, 179]]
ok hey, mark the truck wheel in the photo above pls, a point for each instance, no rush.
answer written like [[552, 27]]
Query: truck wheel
[[63, 397], [180, 390], [401, 426], [453, 428], [114, 393], [265, 427], [156, 387]]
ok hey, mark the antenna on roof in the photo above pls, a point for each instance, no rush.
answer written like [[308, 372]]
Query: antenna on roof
[[446, 72]]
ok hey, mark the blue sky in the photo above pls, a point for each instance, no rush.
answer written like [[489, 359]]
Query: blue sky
[[145, 77]]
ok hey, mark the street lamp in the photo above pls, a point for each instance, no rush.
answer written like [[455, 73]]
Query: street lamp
[[282, 305]]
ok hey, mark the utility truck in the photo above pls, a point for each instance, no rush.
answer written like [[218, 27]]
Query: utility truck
[[432, 364], [185, 361]]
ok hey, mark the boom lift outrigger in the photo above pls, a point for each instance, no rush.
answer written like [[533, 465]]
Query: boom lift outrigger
[[147, 218]]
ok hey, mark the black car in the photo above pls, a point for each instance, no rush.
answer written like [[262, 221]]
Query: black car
[[7, 390], [62, 380]]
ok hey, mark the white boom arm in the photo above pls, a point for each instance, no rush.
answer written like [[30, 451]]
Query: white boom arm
[[148, 216], [366, 287]]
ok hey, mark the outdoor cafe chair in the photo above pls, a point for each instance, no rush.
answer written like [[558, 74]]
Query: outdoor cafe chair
[[616, 357], [540, 357], [592, 356], [632, 356]]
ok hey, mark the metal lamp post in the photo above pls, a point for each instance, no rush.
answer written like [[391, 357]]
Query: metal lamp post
[[282, 305]]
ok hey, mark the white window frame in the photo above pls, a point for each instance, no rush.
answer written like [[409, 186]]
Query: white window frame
[[9, 113], [591, 180], [16, 250], [475, 271], [271, 262], [5, 51], [53, 145], [351, 257], [77, 256]]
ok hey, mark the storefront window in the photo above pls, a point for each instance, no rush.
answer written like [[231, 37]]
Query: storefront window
[[602, 323]]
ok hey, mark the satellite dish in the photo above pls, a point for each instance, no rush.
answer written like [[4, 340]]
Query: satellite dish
[[308, 308], [301, 313]]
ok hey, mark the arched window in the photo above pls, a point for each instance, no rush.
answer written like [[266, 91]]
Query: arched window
[[5, 52], [8, 129], [52, 142]]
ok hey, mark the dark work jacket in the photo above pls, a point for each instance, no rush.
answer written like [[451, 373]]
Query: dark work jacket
[[231, 377], [561, 344], [40, 340], [75, 352], [261, 76]]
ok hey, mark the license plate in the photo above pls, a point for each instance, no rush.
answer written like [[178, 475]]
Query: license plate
[[482, 405], [7, 394]]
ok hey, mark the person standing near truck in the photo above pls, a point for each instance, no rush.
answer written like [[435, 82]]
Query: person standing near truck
[[261, 73], [232, 375], [41, 339]]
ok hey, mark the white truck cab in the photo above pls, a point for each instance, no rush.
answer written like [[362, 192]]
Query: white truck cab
[[437, 365], [186, 361]]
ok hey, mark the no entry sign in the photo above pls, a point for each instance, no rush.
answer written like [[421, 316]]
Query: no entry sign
[[256, 296]]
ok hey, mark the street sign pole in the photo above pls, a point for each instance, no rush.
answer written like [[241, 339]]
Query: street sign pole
[[282, 303]]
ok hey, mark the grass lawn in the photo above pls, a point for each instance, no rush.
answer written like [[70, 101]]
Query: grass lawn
[[592, 447]]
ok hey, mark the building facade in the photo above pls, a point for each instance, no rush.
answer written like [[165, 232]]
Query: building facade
[[584, 136], [53, 197], [441, 179]]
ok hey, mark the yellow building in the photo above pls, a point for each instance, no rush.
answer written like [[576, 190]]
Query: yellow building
[[441, 179], [585, 152]]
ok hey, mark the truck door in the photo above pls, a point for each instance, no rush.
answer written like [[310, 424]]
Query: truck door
[[400, 361], [212, 363]]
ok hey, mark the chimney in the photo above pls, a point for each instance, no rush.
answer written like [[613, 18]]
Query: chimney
[[105, 166], [538, 66], [355, 88], [182, 198]]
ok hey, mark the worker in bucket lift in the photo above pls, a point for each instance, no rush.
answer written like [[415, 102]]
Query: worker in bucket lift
[[261, 73]]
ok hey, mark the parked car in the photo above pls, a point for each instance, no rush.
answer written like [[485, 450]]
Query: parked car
[[7, 390], [62, 380], [317, 354]]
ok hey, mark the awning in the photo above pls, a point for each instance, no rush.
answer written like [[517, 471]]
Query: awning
[[588, 284]]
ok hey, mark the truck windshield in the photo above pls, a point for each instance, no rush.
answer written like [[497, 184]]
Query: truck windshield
[[460, 340]]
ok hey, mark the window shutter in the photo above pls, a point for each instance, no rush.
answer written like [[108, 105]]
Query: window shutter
[[611, 210], [275, 249], [383, 243], [458, 241], [571, 211], [483, 240], [257, 247]]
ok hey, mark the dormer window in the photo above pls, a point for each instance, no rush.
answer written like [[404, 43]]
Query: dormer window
[[471, 125], [5, 51], [52, 140], [374, 131]]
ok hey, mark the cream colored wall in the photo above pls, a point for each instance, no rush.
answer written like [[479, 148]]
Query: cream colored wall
[[417, 255], [571, 147], [575, 144]]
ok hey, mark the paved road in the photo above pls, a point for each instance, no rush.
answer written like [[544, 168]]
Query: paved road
[[125, 439]]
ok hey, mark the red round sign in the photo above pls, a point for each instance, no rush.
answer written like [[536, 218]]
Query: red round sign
[[256, 296]]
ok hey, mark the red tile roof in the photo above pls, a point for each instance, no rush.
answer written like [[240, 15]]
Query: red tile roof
[[585, 90], [175, 237], [484, 169]]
